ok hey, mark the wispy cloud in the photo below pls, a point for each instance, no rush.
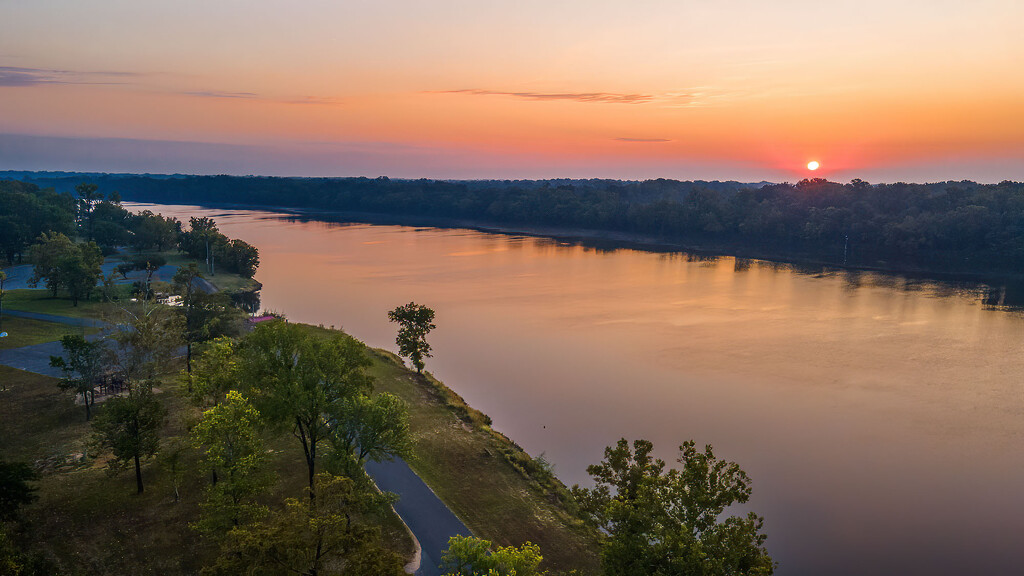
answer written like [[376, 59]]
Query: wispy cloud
[[16, 76], [255, 96], [605, 97], [642, 139], [220, 94]]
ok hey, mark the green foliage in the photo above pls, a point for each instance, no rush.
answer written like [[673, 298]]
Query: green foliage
[[26, 211], [129, 427], [82, 363], [231, 446], [315, 539], [204, 241], [153, 231], [216, 372], [414, 322], [470, 556], [66, 265], [667, 523], [15, 490], [204, 316], [372, 428], [303, 382]]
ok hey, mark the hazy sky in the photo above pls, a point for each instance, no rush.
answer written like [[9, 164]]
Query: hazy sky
[[882, 90]]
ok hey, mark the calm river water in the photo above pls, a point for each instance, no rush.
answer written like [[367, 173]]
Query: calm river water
[[881, 419]]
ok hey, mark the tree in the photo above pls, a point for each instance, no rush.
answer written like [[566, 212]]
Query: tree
[[15, 490], [313, 538], [3, 279], [64, 264], [129, 426], [371, 428], [470, 556], [414, 321], [79, 270], [204, 316], [303, 381], [147, 337], [229, 442], [88, 196], [667, 523], [46, 255], [216, 372], [82, 364]]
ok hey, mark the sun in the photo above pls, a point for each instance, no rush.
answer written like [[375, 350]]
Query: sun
[[813, 165]]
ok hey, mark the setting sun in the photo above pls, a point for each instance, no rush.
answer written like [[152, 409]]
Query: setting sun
[[813, 165]]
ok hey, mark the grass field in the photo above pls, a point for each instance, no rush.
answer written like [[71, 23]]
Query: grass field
[[26, 332], [44, 302]]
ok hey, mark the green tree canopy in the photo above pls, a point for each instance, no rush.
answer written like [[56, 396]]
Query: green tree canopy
[[129, 426], [470, 556], [230, 444], [82, 363], [324, 538], [667, 523], [303, 382], [414, 322]]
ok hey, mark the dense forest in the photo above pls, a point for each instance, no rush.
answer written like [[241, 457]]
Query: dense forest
[[946, 227]]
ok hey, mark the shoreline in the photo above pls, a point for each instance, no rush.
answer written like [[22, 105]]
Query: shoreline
[[607, 239]]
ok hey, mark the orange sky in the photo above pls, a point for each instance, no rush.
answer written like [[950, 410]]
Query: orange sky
[[734, 89]]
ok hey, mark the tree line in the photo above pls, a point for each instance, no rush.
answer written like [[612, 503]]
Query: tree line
[[949, 227], [31, 216]]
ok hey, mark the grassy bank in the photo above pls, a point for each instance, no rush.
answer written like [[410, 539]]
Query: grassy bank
[[492, 485], [26, 332]]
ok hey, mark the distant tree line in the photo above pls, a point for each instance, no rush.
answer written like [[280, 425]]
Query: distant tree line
[[942, 227], [41, 223]]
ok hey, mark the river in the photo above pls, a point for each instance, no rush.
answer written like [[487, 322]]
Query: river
[[881, 418]]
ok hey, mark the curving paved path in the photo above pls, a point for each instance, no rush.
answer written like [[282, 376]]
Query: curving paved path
[[431, 522]]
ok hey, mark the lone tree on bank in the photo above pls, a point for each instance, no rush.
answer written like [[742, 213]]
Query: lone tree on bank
[[415, 321]]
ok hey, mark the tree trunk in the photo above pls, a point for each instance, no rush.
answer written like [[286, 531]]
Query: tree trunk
[[138, 474], [88, 412]]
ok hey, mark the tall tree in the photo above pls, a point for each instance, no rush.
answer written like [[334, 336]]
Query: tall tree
[[88, 196], [80, 270], [82, 364], [371, 428], [147, 336], [667, 523], [414, 322], [230, 443], [302, 381], [46, 255], [205, 316], [216, 373], [129, 426], [324, 538]]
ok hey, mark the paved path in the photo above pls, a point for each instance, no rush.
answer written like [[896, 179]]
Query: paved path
[[429, 519], [18, 276]]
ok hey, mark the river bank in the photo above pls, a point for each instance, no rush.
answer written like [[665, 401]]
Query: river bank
[[611, 240]]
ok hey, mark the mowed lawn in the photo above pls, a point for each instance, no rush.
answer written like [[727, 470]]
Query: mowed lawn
[[26, 331]]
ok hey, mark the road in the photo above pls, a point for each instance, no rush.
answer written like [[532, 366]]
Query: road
[[423, 512]]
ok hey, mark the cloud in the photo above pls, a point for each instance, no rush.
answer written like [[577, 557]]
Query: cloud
[[642, 139], [17, 76], [220, 94], [255, 96], [605, 97]]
